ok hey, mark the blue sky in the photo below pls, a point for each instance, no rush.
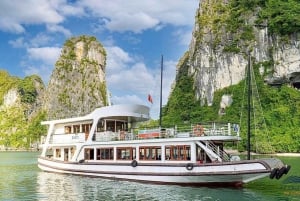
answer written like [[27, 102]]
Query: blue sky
[[135, 33]]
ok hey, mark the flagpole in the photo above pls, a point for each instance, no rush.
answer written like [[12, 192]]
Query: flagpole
[[161, 83]]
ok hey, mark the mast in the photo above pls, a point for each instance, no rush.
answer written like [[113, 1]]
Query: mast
[[161, 82], [249, 106]]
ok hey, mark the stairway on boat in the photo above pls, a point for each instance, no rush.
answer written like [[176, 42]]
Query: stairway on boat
[[213, 151]]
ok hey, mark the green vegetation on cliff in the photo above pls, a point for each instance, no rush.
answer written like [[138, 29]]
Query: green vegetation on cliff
[[281, 111], [7, 82], [27, 88], [231, 26], [19, 125], [236, 20]]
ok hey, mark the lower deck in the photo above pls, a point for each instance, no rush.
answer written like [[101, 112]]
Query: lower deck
[[167, 152]]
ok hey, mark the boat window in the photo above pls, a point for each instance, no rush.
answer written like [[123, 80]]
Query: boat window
[[68, 129], [126, 153], [89, 154], [49, 153], [105, 154], [73, 149], [86, 128], [150, 153], [178, 152], [100, 125], [110, 126], [57, 153], [76, 128], [121, 126]]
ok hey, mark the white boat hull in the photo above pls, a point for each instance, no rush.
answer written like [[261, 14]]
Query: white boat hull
[[236, 173]]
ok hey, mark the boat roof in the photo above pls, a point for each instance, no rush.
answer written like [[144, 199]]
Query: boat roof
[[127, 112]]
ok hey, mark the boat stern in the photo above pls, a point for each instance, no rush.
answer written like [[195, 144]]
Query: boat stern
[[277, 167]]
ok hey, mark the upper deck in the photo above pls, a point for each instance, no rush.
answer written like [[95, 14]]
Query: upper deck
[[212, 131], [120, 123]]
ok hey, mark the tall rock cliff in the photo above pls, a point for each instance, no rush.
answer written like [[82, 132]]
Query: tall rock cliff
[[77, 85], [226, 31], [20, 110], [210, 80]]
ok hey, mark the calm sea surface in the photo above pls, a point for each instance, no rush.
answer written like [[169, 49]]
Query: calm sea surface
[[20, 179]]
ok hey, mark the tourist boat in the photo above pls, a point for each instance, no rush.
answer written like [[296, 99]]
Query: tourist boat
[[107, 143]]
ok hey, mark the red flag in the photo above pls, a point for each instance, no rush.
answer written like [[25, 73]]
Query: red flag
[[150, 98]]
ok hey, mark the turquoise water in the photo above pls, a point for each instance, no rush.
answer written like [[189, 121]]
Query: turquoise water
[[20, 179]]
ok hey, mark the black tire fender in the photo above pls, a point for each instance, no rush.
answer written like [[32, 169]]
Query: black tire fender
[[189, 166], [273, 173], [280, 172], [134, 163]]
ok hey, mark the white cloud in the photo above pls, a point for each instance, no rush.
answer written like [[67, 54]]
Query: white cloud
[[10, 25], [18, 43], [117, 59], [43, 71], [184, 37], [134, 99], [14, 14], [124, 22], [17, 13], [137, 79], [130, 80], [67, 8], [59, 29], [39, 40], [48, 55], [136, 15]]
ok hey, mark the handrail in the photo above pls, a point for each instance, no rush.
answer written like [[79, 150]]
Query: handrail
[[221, 153]]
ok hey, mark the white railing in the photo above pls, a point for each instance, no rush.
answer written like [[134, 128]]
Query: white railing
[[113, 136], [194, 130], [212, 129]]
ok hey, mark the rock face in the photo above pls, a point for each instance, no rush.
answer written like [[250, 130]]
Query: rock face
[[20, 110], [77, 85], [10, 98], [217, 58]]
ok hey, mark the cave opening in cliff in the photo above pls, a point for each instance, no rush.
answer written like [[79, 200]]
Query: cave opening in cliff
[[296, 85]]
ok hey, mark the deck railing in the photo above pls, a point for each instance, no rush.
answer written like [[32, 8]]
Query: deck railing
[[195, 130]]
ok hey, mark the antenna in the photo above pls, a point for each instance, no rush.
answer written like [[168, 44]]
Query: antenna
[[161, 82], [249, 106]]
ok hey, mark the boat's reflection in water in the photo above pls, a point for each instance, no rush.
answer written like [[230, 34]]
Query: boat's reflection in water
[[52, 186]]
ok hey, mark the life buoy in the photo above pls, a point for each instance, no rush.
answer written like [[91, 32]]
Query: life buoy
[[134, 163], [198, 130], [189, 166], [273, 173]]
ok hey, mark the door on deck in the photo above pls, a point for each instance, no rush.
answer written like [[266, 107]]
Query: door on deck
[[66, 154]]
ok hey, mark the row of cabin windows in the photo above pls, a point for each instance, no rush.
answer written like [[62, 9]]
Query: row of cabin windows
[[109, 125], [179, 152], [85, 128]]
